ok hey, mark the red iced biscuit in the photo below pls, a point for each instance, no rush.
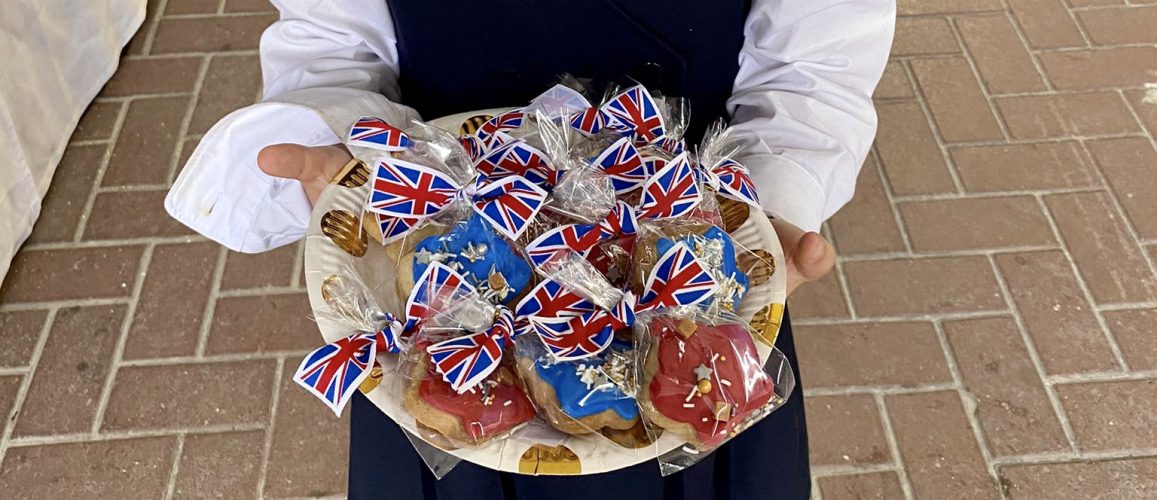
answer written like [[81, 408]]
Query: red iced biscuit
[[704, 383], [493, 408]]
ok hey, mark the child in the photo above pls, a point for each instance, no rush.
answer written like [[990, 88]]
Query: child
[[794, 77]]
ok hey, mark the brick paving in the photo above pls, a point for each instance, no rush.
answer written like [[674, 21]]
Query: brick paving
[[987, 332]]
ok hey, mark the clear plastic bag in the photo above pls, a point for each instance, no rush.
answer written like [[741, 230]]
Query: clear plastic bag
[[700, 374], [720, 171], [575, 355], [458, 384], [701, 379], [334, 371], [433, 203]]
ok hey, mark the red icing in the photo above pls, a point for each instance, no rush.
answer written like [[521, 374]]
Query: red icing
[[738, 363], [479, 421]]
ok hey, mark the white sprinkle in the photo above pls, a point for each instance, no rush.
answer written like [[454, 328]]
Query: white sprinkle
[[694, 391], [725, 382], [704, 419], [507, 403], [688, 405], [714, 357]]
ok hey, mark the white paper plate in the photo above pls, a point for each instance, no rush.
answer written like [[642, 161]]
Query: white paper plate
[[537, 450]]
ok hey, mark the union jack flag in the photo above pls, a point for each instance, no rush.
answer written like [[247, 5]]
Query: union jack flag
[[559, 100], [394, 227], [590, 121], [622, 163], [517, 158], [466, 361], [635, 110], [672, 192], [408, 190], [508, 203], [372, 132], [437, 286], [622, 221], [734, 181], [578, 238], [334, 370], [576, 337], [505, 121], [671, 145], [473, 146], [678, 279], [550, 299]]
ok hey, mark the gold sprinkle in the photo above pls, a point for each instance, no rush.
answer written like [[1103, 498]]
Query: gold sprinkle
[[704, 386]]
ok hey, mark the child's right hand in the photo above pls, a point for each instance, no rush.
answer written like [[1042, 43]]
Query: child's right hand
[[314, 167]]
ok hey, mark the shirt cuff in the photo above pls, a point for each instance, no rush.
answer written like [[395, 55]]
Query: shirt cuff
[[787, 190], [222, 194]]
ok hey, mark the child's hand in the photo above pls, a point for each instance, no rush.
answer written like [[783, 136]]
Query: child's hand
[[314, 167], [809, 255]]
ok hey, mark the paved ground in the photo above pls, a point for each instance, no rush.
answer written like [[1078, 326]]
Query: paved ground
[[989, 332]]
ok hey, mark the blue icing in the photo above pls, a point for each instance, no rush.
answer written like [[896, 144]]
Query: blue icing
[[569, 389], [462, 249], [722, 265]]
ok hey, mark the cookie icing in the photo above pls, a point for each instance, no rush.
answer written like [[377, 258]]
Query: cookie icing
[[481, 255], [716, 251], [495, 407], [583, 388], [725, 357]]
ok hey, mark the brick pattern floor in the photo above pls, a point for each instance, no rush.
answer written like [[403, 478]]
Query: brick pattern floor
[[988, 332]]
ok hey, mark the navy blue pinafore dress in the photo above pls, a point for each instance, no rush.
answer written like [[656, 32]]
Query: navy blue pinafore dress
[[464, 55]]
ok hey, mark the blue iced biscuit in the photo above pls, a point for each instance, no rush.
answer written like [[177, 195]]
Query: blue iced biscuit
[[715, 250], [590, 386], [479, 254]]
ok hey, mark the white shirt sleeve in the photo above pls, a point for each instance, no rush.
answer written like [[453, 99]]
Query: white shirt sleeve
[[802, 103], [324, 64]]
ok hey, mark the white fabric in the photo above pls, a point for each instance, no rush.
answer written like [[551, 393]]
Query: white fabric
[[802, 103], [54, 57]]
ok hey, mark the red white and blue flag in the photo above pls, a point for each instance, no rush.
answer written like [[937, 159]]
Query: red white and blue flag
[[410, 191], [466, 361], [621, 221], [671, 192], [731, 179], [372, 132], [575, 337], [589, 121], [634, 110], [506, 121], [579, 238], [473, 146], [550, 298], [678, 279], [509, 203], [392, 227], [413, 192], [517, 158], [438, 286], [333, 371], [557, 101], [623, 164]]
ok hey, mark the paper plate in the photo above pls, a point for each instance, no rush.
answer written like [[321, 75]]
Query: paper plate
[[539, 449]]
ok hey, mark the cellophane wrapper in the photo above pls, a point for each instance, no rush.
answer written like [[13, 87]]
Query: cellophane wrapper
[[350, 302], [700, 375], [700, 378], [594, 395], [495, 408]]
